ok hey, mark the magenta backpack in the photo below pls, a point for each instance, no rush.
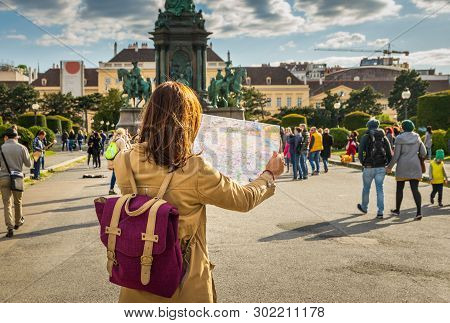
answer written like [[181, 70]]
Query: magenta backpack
[[141, 237]]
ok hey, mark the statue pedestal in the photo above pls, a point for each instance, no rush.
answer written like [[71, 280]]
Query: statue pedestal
[[233, 113], [130, 118]]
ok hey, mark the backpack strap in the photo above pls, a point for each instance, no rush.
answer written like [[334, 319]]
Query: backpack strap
[[113, 231], [149, 237]]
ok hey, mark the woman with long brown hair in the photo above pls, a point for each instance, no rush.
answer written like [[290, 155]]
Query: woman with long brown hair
[[169, 127]]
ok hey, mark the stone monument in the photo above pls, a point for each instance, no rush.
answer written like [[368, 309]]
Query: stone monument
[[137, 91], [181, 43]]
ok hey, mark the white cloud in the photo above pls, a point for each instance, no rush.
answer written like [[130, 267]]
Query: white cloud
[[320, 14], [433, 5], [378, 43], [430, 58], [16, 37], [427, 58], [289, 44], [254, 18], [342, 39]]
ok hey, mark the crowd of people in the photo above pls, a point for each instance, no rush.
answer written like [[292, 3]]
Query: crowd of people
[[301, 146], [378, 151]]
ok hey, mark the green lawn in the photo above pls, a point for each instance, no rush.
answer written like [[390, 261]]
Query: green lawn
[[50, 153]]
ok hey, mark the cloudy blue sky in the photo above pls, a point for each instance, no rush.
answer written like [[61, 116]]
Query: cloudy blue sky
[[255, 31]]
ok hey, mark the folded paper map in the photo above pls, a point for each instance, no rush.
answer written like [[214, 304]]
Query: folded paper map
[[238, 149]]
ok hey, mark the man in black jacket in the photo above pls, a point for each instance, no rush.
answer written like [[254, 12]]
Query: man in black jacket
[[374, 154]]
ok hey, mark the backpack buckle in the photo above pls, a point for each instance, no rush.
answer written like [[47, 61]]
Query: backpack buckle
[[111, 255], [146, 260]]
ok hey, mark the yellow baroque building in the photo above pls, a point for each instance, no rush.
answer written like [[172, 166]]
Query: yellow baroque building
[[279, 85], [107, 72]]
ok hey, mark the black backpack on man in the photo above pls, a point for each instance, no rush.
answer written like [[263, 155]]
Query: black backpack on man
[[376, 154]]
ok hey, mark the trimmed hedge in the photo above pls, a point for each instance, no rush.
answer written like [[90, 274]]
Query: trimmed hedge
[[340, 136], [50, 134], [361, 131], [272, 120], [3, 128], [356, 120], [293, 120], [54, 123], [434, 110], [26, 137], [385, 118], [66, 124], [26, 120], [1, 120], [440, 141]]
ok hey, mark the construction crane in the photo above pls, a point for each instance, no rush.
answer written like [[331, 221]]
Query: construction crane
[[384, 51], [387, 51]]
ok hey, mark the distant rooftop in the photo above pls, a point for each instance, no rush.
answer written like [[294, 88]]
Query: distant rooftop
[[148, 55]]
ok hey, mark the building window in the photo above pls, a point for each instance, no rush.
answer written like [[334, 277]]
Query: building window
[[356, 78], [44, 82], [278, 102], [268, 80], [289, 80], [269, 102], [249, 81], [299, 102], [289, 102]]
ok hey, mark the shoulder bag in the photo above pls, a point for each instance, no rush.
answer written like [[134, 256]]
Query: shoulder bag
[[16, 177]]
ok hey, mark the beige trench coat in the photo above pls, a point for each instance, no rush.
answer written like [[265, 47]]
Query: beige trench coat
[[192, 187]]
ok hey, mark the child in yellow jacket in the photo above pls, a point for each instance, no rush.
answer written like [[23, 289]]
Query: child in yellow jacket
[[438, 176]]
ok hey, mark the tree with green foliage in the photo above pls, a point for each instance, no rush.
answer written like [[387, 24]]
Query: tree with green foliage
[[254, 102], [60, 104], [333, 114], [5, 110], [364, 100], [109, 109], [407, 80], [19, 100], [87, 103]]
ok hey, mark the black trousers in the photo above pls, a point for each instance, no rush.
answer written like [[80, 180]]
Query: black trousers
[[439, 189], [414, 184], [96, 161]]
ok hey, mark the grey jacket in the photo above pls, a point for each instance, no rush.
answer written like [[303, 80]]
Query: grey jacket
[[408, 147], [16, 156]]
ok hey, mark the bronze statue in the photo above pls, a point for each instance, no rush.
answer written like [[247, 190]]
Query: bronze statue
[[134, 86], [177, 7]]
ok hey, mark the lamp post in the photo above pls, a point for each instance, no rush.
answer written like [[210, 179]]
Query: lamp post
[[112, 126], [35, 108], [406, 95], [107, 126], [102, 123]]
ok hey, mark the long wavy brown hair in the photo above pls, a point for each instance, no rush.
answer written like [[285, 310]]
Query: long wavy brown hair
[[170, 123]]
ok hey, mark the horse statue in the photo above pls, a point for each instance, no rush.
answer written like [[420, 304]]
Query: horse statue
[[134, 86], [236, 86], [220, 89]]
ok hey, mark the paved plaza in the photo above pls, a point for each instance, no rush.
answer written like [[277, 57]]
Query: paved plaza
[[306, 244]]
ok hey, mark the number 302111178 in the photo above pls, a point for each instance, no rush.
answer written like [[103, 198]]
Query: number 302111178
[[289, 311]]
